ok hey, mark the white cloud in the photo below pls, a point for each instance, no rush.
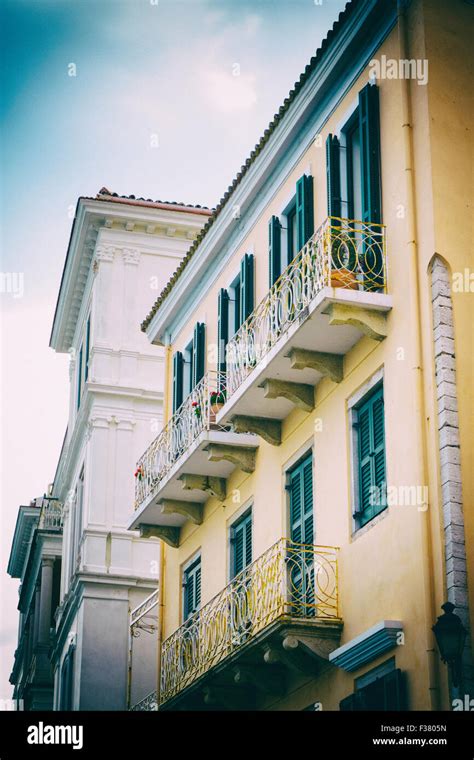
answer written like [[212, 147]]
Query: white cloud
[[227, 92]]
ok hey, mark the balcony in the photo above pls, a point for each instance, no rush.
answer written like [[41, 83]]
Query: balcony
[[51, 515], [189, 461], [332, 293], [276, 621]]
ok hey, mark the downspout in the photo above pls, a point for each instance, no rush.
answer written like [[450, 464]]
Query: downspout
[[161, 576], [415, 310]]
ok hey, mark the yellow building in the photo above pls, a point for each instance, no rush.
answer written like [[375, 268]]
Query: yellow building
[[310, 482]]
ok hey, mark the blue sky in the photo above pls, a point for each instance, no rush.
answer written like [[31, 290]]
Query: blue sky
[[147, 71]]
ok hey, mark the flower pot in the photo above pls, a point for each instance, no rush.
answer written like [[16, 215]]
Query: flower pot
[[344, 278], [216, 407]]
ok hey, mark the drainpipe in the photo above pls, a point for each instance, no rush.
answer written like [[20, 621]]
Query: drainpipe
[[160, 623], [161, 577], [415, 310]]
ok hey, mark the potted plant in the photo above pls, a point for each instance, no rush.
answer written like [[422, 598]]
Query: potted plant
[[217, 400], [139, 472], [197, 409], [343, 265]]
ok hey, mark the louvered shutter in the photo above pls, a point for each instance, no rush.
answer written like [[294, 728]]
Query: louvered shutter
[[246, 286], [177, 380], [394, 691], [242, 544], [304, 210], [372, 477], [333, 176], [192, 588], [199, 348], [274, 250], [301, 567], [369, 126], [222, 328]]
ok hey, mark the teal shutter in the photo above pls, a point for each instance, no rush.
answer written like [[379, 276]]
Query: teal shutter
[[177, 380], [300, 560], [371, 437], [79, 379], [369, 125], [333, 176], [222, 328], [246, 287], [192, 589], [274, 250], [199, 351], [304, 210], [88, 340], [241, 538], [301, 503]]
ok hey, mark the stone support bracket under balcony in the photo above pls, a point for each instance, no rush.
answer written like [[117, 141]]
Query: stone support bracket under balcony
[[328, 365], [243, 458], [369, 322], [205, 483], [300, 394], [167, 533], [265, 427], [191, 510]]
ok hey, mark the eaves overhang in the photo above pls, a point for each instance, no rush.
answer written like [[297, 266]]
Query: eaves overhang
[[358, 24], [26, 523]]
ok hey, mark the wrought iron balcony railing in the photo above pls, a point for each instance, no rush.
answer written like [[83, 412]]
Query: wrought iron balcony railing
[[51, 515], [289, 580], [196, 413], [148, 704], [342, 253]]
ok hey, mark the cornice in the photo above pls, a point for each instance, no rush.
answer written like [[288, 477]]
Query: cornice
[[91, 216]]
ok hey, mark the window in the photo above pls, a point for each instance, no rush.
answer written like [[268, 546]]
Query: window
[[76, 524], [187, 382], [191, 588], [241, 544], [189, 366], [353, 170], [383, 688], [292, 234], [88, 348], [234, 306], [369, 457], [79, 378], [67, 681]]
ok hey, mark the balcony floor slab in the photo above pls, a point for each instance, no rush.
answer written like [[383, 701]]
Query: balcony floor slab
[[312, 332], [194, 461]]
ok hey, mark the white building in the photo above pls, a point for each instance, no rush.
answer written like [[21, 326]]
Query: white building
[[121, 253]]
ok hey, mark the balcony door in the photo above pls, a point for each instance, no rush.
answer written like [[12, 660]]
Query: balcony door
[[300, 559]]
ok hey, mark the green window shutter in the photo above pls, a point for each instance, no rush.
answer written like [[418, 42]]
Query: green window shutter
[[333, 176], [246, 287], [394, 691], [304, 210], [79, 379], [222, 328], [274, 250], [301, 503], [88, 340], [199, 351], [192, 588], [369, 125], [371, 438], [241, 538], [177, 380]]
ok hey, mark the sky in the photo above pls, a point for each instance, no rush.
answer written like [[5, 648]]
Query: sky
[[163, 99]]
